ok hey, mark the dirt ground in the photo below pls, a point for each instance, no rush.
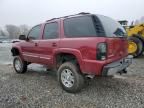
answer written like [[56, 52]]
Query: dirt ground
[[39, 89]]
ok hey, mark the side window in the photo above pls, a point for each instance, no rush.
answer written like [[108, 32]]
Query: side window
[[51, 31], [35, 32], [79, 27]]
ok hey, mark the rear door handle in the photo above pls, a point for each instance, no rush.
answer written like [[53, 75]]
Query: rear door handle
[[54, 44], [36, 44]]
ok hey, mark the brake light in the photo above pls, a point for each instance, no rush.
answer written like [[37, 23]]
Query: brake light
[[101, 51]]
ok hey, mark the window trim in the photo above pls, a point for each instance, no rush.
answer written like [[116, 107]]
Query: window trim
[[70, 36], [94, 17], [43, 37], [32, 29]]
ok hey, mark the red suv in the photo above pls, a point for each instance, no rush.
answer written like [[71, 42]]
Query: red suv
[[76, 46]]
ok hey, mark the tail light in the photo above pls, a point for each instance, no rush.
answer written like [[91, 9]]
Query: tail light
[[101, 51]]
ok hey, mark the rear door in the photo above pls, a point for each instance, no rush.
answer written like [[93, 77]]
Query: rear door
[[49, 43]]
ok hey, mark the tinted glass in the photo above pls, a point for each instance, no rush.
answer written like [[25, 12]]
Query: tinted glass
[[35, 32], [79, 27], [112, 28], [51, 31], [98, 26]]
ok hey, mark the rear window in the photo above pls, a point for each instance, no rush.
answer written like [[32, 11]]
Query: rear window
[[112, 28], [79, 27]]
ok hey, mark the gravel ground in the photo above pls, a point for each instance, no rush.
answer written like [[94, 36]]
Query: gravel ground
[[40, 89]]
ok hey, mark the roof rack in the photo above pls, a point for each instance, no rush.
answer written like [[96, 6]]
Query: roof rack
[[81, 13]]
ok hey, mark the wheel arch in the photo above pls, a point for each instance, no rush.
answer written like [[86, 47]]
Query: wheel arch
[[15, 51], [65, 56]]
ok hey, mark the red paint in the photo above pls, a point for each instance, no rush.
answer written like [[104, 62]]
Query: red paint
[[84, 50]]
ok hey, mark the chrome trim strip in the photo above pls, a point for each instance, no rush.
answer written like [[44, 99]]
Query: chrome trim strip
[[45, 58], [29, 55], [36, 56]]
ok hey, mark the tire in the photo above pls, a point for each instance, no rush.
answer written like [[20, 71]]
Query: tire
[[139, 44], [70, 78], [19, 65]]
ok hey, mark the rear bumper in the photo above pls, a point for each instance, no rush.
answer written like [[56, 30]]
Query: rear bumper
[[117, 66]]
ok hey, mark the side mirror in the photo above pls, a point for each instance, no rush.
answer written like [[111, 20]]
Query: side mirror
[[22, 37]]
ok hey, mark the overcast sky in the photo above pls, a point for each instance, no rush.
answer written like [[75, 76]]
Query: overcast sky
[[32, 12]]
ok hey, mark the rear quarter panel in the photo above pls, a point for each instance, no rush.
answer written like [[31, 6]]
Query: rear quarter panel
[[85, 51]]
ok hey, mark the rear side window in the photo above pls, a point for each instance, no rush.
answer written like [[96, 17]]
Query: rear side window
[[112, 28], [51, 31], [79, 27]]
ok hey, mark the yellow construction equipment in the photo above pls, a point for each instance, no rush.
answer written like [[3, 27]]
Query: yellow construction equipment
[[136, 38]]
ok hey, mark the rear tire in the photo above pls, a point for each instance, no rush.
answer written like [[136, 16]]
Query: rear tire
[[139, 45], [19, 65], [70, 78]]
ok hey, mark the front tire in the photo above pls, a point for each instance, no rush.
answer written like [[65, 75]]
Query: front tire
[[135, 47], [19, 65], [70, 78]]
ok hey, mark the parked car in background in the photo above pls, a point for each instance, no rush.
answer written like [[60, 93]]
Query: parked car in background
[[6, 41], [3, 39], [15, 40], [76, 46]]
